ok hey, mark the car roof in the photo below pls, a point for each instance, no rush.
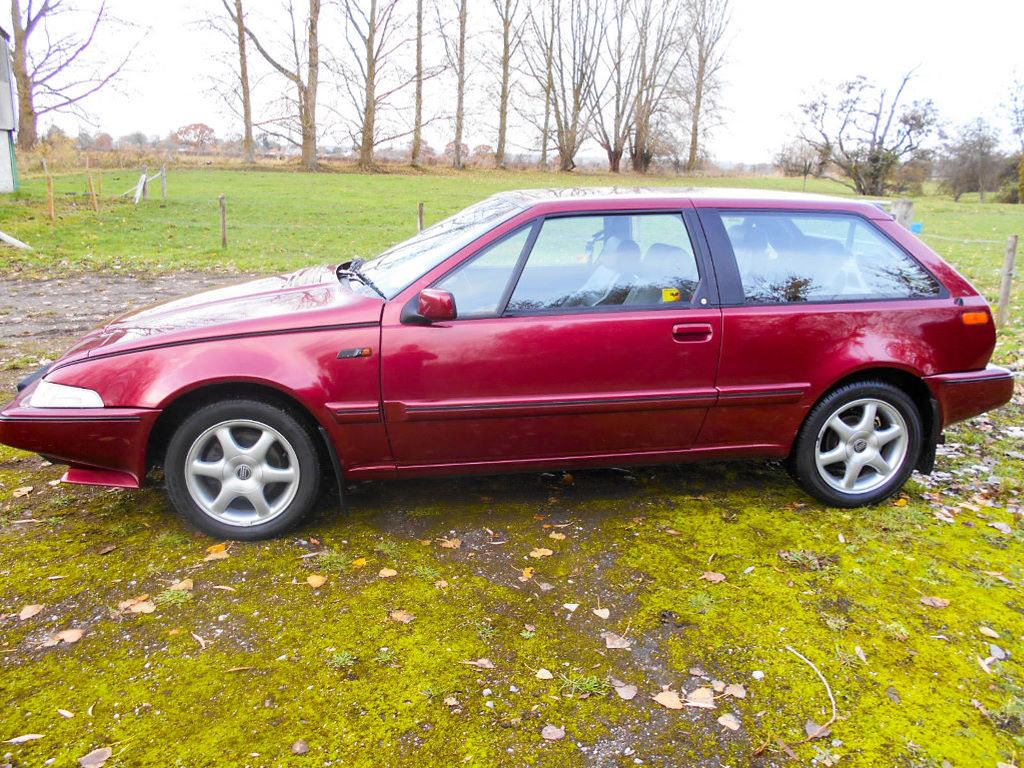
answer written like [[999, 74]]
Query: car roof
[[701, 197]]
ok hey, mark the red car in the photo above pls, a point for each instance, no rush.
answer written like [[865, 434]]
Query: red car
[[537, 330]]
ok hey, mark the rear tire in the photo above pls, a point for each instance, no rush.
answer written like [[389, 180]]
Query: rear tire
[[242, 469], [859, 445]]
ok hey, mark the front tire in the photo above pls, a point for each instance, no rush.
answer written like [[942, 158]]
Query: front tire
[[859, 445], [242, 469]]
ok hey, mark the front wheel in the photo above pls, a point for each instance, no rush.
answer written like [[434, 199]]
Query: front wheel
[[242, 469], [858, 445]]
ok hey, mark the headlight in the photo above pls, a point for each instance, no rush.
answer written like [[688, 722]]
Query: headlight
[[50, 395]]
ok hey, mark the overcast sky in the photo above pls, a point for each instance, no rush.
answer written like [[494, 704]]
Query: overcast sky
[[780, 51]]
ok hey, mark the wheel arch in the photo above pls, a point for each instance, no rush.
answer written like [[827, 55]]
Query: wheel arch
[[178, 406]]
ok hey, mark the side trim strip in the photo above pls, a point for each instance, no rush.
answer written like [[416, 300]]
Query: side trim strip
[[69, 418], [555, 403]]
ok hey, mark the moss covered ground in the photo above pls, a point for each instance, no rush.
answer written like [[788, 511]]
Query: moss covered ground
[[255, 660]]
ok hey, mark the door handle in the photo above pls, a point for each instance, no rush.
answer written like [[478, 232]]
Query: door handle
[[691, 332]]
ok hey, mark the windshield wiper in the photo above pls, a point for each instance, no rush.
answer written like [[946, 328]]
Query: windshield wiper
[[352, 270]]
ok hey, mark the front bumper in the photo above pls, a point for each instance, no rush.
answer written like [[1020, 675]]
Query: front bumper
[[968, 393]]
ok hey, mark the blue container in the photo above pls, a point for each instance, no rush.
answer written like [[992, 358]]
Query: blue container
[[917, 227]]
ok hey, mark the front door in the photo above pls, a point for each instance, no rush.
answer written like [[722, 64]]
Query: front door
[[583, 335]]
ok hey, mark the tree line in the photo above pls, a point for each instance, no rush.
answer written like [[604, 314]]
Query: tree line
[[642, 78]]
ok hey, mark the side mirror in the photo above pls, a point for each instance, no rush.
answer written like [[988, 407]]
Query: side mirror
[[436, 305]]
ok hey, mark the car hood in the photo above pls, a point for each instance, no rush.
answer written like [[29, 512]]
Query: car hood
[[309, 298]]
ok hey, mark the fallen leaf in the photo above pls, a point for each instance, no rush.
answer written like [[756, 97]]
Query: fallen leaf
[[570, 607], [718, 686], [986, 631], [220, 554], [673, 532], [612, 640], [860, 654], [669, 700], [702, 698], [527, 574], [215, 548], [31, 610], [626, 692], [300, 747], [143, 606], [556, 536], [26, 737], [359, 562], [106, 550], [68, 636], [815, 731], [451, 701], [729, 720], [935, 602], [451, 543], [387, 573], [185, 585], [480, 663], [697, 672], [541, 552], [984, 664], [736, 690], [441, 584], [315, 580], [1001, 527], [602, 613], [713, 576], [96, 758], [552, 733], [198, 639], [401, 616], [544, 674], [900, 503], [65, 713], [17, 493], [125, 605]]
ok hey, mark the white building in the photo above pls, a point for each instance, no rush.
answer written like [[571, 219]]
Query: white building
[[8, 164]]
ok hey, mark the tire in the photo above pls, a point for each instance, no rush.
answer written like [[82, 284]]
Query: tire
[[872, 459], [242, 470]]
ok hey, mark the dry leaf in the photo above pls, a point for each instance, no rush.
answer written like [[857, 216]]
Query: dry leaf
[[611, 640], [527, 574], [106, 550], [96, 758], [25, 490], [860, 654], [736, 690], [669, 700], [729, 721], [626, 692], [125, 605], [185, 585], [552, 733], [935, 602], [544, 674], [451, 543], [226, 589], [359, 562], [481, 663], [441, 584], [602, 613], [451, 701], [986, 631], [142, 606], [29, 611], [702, 698], [541, 552], [220, 554], [713, 576], [67, 636], [215, 548], [673, 532], [815, 731], [26, 737], [315, 580], [570, 607], [387, 573], [65, 713], [556, 536], [198, 639], [300, 747], [900, 503], [401, 616]]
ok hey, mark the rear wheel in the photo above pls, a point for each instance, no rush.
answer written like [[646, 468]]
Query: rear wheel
[[858, 445], [242, 469]]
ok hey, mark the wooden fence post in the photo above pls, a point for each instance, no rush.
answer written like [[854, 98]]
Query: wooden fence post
[[92, 195], [163, 181], [903, 212], [223, 222], [49, 195], [419, 216], [1003, 311], [139, 186]]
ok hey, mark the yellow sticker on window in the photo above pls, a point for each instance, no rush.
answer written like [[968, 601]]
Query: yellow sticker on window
[[670, 294]]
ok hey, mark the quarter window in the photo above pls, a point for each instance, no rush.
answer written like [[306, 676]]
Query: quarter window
[[786, 258], [641, 260]]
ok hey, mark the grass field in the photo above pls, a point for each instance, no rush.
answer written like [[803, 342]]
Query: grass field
[[252, 659]]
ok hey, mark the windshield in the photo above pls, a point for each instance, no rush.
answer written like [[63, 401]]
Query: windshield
[[401, 264]]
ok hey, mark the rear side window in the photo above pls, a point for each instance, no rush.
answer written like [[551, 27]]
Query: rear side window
[[814, 257]]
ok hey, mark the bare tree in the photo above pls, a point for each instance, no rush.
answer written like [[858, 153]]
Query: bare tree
[[867, 134], [971, 161], [373, 34], [662, 47], [564, 64], [237, 17], [613, 94], [708, 21], [303, 72], [417, 129], [1016, 110], [511, 39], [455, 50], [53, 66]]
